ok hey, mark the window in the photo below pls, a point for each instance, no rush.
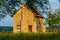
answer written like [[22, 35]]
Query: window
[[30, 28], [19, 28]]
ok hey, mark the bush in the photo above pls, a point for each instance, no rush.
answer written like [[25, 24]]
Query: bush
[[30, 36]]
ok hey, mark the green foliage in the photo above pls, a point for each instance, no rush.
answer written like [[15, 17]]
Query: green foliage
[[10, 6], [54, 19], [30, 36]]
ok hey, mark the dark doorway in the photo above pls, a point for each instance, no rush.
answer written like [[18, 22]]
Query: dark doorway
[[30, 28]]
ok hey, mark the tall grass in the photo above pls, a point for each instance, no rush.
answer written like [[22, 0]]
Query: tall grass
[[30, 36]]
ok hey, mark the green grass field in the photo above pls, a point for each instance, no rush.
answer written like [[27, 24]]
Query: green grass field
[[30, 36]]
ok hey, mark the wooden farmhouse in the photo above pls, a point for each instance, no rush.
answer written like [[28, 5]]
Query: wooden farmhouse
[[28, 20]]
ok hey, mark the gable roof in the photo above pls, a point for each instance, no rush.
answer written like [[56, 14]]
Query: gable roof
[[37, 14]]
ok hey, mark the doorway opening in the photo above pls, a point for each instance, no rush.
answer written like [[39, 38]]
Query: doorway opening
[[30, 28]]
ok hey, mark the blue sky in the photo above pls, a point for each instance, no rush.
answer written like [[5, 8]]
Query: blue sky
[[54, 4], [8, 21]]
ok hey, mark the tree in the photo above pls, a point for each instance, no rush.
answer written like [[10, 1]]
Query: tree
[[54, 19], [10, 6], [41, 6]]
